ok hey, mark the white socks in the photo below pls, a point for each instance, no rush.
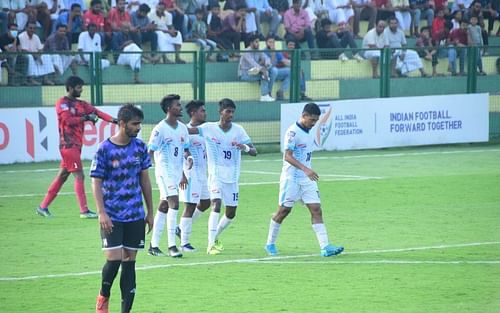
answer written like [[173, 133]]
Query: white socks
[[186, 226], [196, 214], [159, 225], [274, 229], [213, 221], [223, 224], [171, 225], [321, 234]]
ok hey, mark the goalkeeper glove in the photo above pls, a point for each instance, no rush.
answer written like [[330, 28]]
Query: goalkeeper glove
[[92, 117]]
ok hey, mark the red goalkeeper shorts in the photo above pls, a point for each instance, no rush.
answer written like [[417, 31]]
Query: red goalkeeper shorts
[[71, 160]]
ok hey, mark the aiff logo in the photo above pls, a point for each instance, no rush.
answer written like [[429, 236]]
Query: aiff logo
[[324, 125]]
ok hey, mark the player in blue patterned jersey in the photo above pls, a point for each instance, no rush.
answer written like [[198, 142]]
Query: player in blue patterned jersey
[[169, 146], [224, 142], [120, 180], [299, 181]]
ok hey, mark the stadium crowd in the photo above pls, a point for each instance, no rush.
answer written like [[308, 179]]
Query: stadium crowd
[[116, 26]]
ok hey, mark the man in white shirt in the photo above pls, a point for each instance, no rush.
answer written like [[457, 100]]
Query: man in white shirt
[[375, 39], [169, 147], [169, 39], [224, 141], [90, 41], [298, 181]]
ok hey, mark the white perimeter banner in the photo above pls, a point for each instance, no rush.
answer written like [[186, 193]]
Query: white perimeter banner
[[31, 135], [394, 122]]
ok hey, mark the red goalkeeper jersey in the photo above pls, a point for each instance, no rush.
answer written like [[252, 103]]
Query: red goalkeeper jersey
[[69, 118]]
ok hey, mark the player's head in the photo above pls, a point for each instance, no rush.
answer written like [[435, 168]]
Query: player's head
[[74, 86], [169, 101], [130, 118], [196, 110], [226, 109], [310, 115]]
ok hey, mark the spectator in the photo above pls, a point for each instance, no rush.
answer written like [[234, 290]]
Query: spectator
[[17, 63], [438, 28], [280, 65], [384, 9], [287, 60], [404, 61], [420, 9], [58, 42], [145, 28], [179, 21], [461, 5], [476, 39], [256, 66], [39, 12], [73, 19], [457, 42], [457, 19], [375, 39], [68, 3], [250, 27], [200, 33], [477, 11], [118, 17], [94, 16], [39, 65], [427, 50], [264, 12], [327, 38], [55, 7], [402, 13], [491, 11], [340, 11], [16, 13], [281, 5], [126, 44], [232, 27], [364, 10], [214, 27], [298, 25], [188, 7], [90, 41]]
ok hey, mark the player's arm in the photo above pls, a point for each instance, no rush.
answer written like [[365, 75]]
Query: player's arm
[[92, 113], [296, 163], [148, 197], [104, 220], [248, 148], [189, 158]]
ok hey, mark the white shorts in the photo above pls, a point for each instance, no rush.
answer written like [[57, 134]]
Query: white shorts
[[291, 191], [227, 192], [168, 186], [196, 190]]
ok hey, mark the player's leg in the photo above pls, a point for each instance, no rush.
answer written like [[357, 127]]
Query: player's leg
[[173, 210], [112, 245], [134, 235], [79, 187], [190, 196], [213, 218], [61, 177], [230, 193], [158, 227]]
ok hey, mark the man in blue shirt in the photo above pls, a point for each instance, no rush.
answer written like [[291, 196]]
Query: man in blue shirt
[[73, 20]]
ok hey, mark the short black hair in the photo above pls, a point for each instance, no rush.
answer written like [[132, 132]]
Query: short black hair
[[94, 2], [226, 103], [75, 5], [252, 37], [325, 22], [194, 105], [73, 81], [167, 101], [312, 109], [59, 25], [144, 8], [128, 112]]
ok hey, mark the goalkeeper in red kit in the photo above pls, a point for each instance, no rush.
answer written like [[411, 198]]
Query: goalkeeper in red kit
[[72, 114]]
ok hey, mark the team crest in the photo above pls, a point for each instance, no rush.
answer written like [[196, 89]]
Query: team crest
[[115, 163], [324, 127]]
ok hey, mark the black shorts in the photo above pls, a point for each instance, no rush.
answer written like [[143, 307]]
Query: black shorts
[[129, 235]]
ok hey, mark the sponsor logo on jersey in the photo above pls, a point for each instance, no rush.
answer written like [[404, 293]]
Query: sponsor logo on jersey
[[302, 145], [217, 141], [115, 163], [64, 106]]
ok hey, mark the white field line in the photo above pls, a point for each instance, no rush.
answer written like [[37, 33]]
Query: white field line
[[322, 175], [280, 259], [361, 156]]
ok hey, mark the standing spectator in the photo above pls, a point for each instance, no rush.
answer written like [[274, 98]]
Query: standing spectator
[[169, 39], [477, 11], [458, 40], [264, 13], [256, 66], [39, 65], [363, 10], [17, 63], [281, 65], [340, 11], [298, 25], [420, 9], [426, 49], [327, 38], [118, 195], [58, 42], [74, 22], [145, 28], [375, 39], [90, 41], [200, 33], [403, 14], [72, 113], [476, 40]]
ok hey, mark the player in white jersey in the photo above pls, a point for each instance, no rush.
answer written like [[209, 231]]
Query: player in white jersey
[[195, 196], [224, 142], [299, 182], [169, 146]]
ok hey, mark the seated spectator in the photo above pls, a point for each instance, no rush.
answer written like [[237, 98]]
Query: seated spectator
[[327, 38], [404, 60], [214, 29], [458, 40], [264, 13], [232, 28], [58, 42], [17, 12], [476, 39], [146, 30], [126, 44], [17, 64], [73, 20], [255, 66], [39, 12], [200, 33], [90, 41], [340, 11], [427, 50], [188, 8], [403, 14], [39, 65], [68, 3], [375, 39], [280, 65], [249, 27], [491, 11], [179, 20], [363, 10], [95, 16], [55, 7], [420, 9], [298, 25], [281, 5], [118, 17]]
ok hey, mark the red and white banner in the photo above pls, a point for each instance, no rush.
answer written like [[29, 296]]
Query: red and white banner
[[31, 135]]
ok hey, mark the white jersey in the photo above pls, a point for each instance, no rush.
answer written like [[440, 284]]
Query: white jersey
[[223, 155], [198, 151], [168, 144], [301, 142]]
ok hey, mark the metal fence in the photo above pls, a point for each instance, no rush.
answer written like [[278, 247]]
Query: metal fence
[[144, 78]]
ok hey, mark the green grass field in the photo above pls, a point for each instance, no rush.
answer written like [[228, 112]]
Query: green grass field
[[421, 228]]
